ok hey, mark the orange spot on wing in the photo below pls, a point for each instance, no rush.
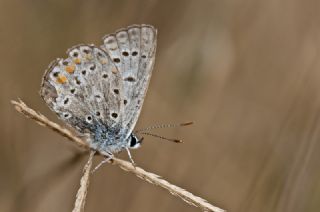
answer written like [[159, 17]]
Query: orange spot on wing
[[114, 70], [89, 57], [77, 61], [70, 69], [61, 79], [104, 61]]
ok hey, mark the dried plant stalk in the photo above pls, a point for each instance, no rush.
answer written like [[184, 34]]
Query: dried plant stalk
[[84, 184], [173, 189], [127, 166]]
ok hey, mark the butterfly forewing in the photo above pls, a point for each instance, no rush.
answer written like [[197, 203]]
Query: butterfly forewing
[[133, 52]]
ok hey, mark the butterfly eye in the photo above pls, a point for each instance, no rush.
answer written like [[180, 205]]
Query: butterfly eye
[[133, 141]]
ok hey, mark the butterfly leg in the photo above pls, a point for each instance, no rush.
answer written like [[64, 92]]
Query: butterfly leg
[[108, 158], [130, 157]]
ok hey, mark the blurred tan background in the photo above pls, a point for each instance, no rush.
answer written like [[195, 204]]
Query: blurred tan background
[[246, 72]]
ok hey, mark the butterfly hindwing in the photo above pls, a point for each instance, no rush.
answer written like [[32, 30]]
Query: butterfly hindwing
[[84, 88]]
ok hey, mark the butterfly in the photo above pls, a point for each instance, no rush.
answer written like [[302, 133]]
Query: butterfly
[[99, 91]]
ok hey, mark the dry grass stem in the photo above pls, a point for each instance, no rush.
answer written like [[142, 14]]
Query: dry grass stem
[[173, 189], [84, 184], [44, 121], [127, 166]]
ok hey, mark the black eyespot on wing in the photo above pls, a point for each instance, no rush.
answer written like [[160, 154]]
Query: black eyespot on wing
[[125, 102], [84, 72], [56, 74], [105, 76], [98, 113], [75, 54], [114, 115], [86, 51], [116, 60], [143, 56], [116, 91], [89, 119], [78, 81], [130, 79], [93, 67], [134, 53], [73, 90], [126, 54], [65, 63], [66, 101]]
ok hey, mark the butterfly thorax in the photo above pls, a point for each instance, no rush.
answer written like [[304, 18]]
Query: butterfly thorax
[[109, 139]]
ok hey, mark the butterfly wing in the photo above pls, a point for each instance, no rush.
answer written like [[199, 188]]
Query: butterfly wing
[[133, 52], [84, 89]]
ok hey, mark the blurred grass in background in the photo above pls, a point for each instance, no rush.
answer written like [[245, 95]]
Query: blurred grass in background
[[246, 72]]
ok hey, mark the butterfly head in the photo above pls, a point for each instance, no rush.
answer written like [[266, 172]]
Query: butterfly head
[[134, 142]]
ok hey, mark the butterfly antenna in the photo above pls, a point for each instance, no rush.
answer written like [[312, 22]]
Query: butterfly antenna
[[158, 126], [161, 137]]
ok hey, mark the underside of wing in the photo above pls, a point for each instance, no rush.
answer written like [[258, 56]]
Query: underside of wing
[[133, 52], [84, 89]]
